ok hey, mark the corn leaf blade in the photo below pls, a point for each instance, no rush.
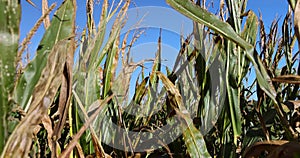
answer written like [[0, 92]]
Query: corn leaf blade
[[59, 29], [202, 16], [10, 14], [193, 138]]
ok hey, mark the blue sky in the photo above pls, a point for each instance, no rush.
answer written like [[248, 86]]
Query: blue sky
[[269, 9]]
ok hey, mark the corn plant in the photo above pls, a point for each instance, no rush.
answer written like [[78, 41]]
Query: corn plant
[[238, 51], [34, 89], [199, 108]]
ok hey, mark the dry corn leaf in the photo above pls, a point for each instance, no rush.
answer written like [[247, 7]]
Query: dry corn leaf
[[290, 149], [292, 79], [19, 142], [256, 149]]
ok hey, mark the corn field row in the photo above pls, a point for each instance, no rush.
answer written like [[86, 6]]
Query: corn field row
[[56, 106]]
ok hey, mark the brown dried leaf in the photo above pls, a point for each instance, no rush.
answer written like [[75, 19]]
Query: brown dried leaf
[[292, 79], [66, 86], [256, 149], [275, 148], [100, 153], [19, 142], [290, 149], [46, 121], [79, 150]]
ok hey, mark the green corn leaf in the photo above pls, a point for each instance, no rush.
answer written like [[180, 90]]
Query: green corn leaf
[[110, 68], [234, 12], [234, 76], [156, 65], [193, 138], [91, 54], [59, 29], [114, 33], [202, 79], [10, 14], [235, 112], [93, 50], [202, 16], [153, 82], [249, 34], [233, 88], [112, 50], [140, 91]]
